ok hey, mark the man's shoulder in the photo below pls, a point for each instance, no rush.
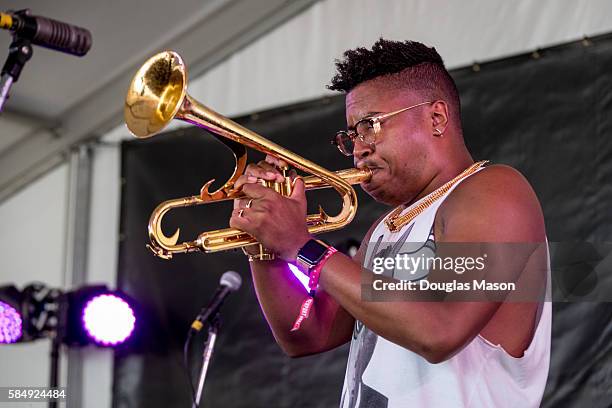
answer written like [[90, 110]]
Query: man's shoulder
[[498, 195], [495, 179]]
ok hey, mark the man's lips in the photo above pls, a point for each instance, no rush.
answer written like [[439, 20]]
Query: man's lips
[[369, 165], [373, 168]]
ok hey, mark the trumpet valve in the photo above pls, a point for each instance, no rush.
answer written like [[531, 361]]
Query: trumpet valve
[[265, 254], [283, 188]]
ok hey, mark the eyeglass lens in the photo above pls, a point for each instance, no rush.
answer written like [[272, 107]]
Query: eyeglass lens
[[364, 130]]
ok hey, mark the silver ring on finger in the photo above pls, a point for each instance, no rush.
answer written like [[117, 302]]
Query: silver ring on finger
[[249, 203], [240, 213]]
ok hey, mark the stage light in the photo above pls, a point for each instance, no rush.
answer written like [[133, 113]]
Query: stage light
[[108, 319], [11, 328], [11, 315], [97, 315], [88, 315]]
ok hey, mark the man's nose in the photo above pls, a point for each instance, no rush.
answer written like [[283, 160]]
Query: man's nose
[[362, 150]]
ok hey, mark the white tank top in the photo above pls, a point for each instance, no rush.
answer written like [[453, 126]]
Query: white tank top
[[381, 374]]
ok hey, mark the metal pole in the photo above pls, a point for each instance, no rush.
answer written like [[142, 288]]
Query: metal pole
[[55, 366], [5, 85], [77, 241], [213, 329]]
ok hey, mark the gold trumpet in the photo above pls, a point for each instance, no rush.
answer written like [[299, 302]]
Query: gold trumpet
[[157, 95]]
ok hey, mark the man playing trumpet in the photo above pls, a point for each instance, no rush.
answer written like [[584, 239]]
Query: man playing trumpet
[[403, 117]]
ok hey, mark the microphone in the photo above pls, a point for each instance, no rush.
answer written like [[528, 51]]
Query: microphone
[[47, 32], [230, 282]]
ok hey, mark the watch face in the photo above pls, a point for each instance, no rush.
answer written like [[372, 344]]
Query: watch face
[[313, 251]]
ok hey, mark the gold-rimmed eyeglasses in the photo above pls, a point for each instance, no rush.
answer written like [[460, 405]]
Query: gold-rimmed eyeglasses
[[365, 130]]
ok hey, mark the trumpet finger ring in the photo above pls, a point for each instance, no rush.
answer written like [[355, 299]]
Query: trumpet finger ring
[[249, 203], [240, 213]]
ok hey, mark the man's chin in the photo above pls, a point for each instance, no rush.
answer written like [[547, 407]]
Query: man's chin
[[376, 191]]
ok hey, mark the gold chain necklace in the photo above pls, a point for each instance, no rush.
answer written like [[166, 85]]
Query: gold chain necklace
[[395, 222]]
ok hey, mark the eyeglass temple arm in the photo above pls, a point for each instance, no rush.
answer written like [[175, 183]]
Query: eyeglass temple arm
[[386, 115]]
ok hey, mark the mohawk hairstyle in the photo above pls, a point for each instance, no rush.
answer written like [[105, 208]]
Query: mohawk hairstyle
[[404, 64]]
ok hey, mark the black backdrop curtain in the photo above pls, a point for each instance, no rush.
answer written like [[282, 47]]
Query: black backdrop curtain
[[545, 113]]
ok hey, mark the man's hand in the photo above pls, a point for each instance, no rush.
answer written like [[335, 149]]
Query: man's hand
[[277, 222]]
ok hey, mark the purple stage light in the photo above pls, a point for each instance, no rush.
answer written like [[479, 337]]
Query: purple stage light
[[108, 319], [10, 324]]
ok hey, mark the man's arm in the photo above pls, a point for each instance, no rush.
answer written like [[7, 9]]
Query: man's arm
[[280, 295]]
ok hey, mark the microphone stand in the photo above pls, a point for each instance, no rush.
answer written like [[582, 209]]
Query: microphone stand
[[20, 51], [213, 330], [54, 370]]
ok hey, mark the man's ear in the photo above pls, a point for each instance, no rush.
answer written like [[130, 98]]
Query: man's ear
[[439, 117]]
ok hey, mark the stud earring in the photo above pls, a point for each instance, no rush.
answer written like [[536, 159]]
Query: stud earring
[[439, 132]]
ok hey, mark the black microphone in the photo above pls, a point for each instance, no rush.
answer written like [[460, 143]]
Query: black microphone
[[47, 32], [230, 282]]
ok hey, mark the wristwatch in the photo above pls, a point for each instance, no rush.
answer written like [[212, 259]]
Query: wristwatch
[[311, 254]]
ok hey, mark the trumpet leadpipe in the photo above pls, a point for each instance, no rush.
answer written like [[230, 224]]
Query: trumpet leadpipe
[[351, 176]]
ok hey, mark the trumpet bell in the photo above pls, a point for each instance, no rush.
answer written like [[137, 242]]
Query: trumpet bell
[[156, 94]]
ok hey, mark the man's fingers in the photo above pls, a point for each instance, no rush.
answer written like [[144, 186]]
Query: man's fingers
[[276, 162], [254, 172], [298, 188], [244, 179], [262, 170], [244, 203], [257, 191], [268, 167], [265, 171], [239, 219]]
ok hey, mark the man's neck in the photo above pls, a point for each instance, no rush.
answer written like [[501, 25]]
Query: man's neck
[[444, 174]]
